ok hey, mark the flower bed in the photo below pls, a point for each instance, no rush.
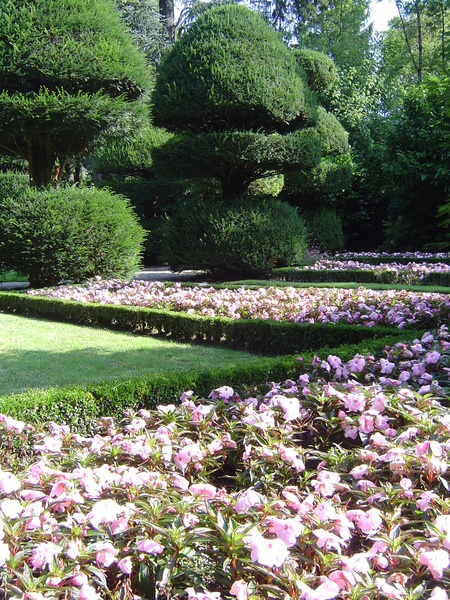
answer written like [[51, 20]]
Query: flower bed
[[361, 307], [331, 486], [394, 256], [410, 273]]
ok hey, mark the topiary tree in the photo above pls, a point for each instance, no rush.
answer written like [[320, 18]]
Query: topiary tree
[[238, 102], [68, 70], [316, 188]]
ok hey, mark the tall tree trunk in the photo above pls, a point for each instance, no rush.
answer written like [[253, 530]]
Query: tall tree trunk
[[41, 161], [167, 14]]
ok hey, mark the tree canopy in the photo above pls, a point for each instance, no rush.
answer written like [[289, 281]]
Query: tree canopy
[[68, 69]]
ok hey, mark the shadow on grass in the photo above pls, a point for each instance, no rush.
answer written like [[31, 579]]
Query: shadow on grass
[[34, 369]]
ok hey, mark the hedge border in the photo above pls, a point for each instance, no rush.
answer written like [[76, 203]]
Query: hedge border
[[353, 276], [264, 337], [80, 407]]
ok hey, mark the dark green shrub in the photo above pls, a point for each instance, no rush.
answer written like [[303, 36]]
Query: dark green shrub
[[69, 233], [325, 230], [13, 184], [246, 237]]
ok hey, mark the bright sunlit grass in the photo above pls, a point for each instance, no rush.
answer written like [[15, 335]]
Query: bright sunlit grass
[[36, 353]]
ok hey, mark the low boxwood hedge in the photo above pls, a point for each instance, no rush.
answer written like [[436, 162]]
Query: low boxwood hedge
[[80, 407], [266, 337], [353, 276]]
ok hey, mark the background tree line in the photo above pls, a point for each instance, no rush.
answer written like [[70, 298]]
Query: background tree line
[[79, 102]]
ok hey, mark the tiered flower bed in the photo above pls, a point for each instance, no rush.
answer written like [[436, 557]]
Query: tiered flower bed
[[332, 486], [313, 305]]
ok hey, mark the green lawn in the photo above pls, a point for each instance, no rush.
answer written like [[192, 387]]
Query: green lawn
[[256, 283], [35, 353]]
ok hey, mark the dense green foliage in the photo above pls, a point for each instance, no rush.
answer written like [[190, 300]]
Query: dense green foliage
[[68, 70], [69, 233], [239, 103], [418, 157], [230, 71], [325, 230], [247, 237]]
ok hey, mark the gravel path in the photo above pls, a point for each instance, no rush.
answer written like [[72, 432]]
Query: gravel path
[[150, 274]]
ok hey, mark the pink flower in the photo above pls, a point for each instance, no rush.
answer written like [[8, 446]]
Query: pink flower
[[269, 553], [79, 579], [355, 402], [4, 554], [125, 565], [88, 592], [43, 554], [72, 550], [436, 561], [439, 594], [11, 508], [366, 423], [326, 591], [225, 392], [149, 547], [326, 482], [205, 490], [343, 579], [287, 530], [425, 499], [193, 595], [247, 500], [8, 482], [104, 511], [326, 539], [189, 453], [386, 366], [290, 406], [105, 554], [390, 591], [240, 590], [369, 522], [359, 471]]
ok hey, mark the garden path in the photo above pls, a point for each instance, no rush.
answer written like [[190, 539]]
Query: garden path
[[149, 274]]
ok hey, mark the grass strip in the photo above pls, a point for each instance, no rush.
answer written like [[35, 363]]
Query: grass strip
[[80, 407], [258, 283], [37, 353]]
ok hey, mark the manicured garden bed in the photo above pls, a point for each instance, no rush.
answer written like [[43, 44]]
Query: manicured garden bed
[[330, 486], [317, 305]]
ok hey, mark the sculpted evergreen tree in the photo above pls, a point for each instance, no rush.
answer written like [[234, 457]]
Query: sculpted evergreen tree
[[68, 70], [238, 103]]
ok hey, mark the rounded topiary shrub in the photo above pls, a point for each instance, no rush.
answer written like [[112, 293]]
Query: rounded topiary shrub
[[247, 237], [69, 233], [325, 230]]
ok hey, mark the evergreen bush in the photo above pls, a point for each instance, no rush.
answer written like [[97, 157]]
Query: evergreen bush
[[325, 230], [69, 233], [245, 237]]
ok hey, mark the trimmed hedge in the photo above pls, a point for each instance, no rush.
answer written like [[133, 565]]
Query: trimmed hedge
[[353, 276], [81, 407], [270, 338], [378, 260]]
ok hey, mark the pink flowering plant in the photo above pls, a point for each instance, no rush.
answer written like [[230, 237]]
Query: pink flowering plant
[[410, 273], [334, 485], [397, 308]]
